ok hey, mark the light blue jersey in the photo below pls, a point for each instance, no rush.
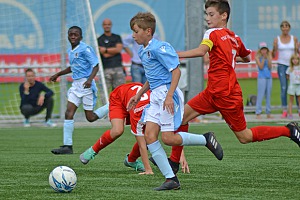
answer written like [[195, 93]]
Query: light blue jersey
[[82, 60], [159, 59]]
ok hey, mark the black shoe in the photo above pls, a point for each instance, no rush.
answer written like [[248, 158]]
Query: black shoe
[[169, 184], [174, 165], [213, 145], [65, 149], [295, 132]]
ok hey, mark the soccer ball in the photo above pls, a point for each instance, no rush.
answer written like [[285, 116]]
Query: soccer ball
[[62, 179]]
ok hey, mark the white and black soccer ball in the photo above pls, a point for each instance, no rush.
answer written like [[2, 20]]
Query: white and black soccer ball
[[63, 179]]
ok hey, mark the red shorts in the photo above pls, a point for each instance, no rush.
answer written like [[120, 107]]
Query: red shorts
[[230, 107]]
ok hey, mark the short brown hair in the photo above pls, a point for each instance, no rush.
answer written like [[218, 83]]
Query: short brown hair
[[29, 70], [144, 20], [221, 5]]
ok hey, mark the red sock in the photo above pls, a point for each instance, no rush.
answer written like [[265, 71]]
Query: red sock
[[176, 150], [261, 133], [103, 141], [135, 153]]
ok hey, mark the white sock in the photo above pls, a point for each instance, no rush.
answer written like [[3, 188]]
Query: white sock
[[190, 139], [160, 157], [68, 132], [102, 111]]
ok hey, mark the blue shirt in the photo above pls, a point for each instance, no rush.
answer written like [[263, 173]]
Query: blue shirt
[[159, 59], [265, 72], [82, 61]]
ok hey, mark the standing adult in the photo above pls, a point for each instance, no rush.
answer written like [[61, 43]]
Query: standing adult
[[286, 45], [137, 69], [110, 47], [35, 97]]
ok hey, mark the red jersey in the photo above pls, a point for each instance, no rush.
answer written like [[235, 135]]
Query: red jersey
[[224, 47], [118, 100]]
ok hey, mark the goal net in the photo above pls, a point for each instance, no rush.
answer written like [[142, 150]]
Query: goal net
[[33, 34]]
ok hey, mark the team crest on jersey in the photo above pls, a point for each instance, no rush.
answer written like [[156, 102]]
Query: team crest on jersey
[[163, 48], [88, 50], [148, 54], [76, 55]]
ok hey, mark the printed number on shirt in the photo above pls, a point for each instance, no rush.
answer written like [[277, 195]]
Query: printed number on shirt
[[233, 58], [138, 87]]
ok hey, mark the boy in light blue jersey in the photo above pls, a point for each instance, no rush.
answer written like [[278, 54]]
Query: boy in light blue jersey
[[84, 66], [165, 111]]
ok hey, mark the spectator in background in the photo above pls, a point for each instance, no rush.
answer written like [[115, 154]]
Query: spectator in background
[[293, 74], [35, 97], [110, 47], [286, 45], [137, 70], [263, 60]]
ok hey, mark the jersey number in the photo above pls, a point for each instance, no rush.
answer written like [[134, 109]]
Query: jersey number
[[233, 58], [145, 95]]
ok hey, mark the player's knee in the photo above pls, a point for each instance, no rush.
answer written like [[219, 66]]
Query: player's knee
[[116, 132], [167, 139], [244, 140], [68, 114]]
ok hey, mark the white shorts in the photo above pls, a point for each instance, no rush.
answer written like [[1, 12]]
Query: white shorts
[[154, 111], [294, 89], [77, 94]]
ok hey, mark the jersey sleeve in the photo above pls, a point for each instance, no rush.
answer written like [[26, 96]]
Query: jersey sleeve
[[91, 56], [243, 51], [167, 56], [207, 40]]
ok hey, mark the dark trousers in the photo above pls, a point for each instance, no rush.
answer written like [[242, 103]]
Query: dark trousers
[[28, 110]]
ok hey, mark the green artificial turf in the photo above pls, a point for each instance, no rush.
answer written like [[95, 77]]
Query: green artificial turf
[[265, 170]]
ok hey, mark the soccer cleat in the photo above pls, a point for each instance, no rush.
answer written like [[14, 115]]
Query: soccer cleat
[[88, 155], [169, 184], [295, 132], [284, 114], [49, 123], [213, 145], [65, 149], [137, 165], [174, 165], [26, 123]]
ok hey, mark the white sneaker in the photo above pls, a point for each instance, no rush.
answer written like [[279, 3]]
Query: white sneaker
[[49, 123], [26, 123]]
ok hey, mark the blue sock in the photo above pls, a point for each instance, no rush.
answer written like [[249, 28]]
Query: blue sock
[[102, 111], [68, 132], [160, 157], [190, 139]]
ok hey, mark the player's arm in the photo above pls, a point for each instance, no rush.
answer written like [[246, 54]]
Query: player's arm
[[135, 99], [169, 103], [197, 52], [243, 59], [63, 72], [88, 83]]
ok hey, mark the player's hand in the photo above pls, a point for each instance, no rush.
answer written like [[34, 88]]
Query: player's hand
[[87, 84], [41, 100], [146, 173], [184, 164], [133, 101], [53, 78], [169, 104]]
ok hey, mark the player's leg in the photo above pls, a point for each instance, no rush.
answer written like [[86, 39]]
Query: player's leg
[[200, 104], [106, 138], [67, 147]]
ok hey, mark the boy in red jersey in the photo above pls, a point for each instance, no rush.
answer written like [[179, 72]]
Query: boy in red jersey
[[223, 92], [118, 100]]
